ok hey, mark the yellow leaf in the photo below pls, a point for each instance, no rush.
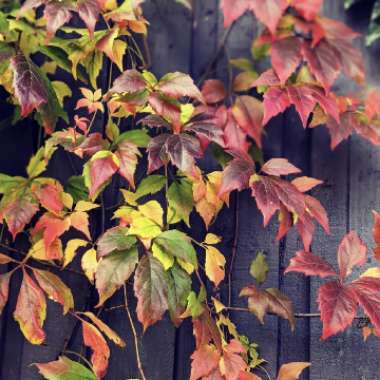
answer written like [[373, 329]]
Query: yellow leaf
[[89, 264], [129, 197], [372, 272], [119, 47], [212, 239], [291, 371], [153, 211], [85, 206], [71, 250], [214, 266], [189, 268], [62, 90], [218, 305], [67, 200], [165, 258]]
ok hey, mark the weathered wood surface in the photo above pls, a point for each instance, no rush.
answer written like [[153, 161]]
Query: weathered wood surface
[[188, 42]]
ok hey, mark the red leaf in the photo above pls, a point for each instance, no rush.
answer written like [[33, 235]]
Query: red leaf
[[232, 363], [337, 306], [213, 91], [310, 265], [279, 166], [372, 103], [307, 9], [79, 221], [276, 101], [367, 291], [324, 62], [235, 139], [30, 310], [57, 14], [128, 81], [236, 175], [376, 234], [341, 131], [286, 56], [248, 113], [101, 171], [351, 252], [49, 196], [204, 360], [304, 184], [166, 107], [233, 9], [269, 12], [157, 155], [100, 351], [128, 154], [267, 78], [88, 11], [27, 82]]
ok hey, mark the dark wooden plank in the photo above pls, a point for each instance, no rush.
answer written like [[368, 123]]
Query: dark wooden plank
[[294, 346]]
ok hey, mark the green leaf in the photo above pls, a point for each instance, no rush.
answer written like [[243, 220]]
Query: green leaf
[[177, 244], [259, 268], [139, 137], [65, 369], [180, 199], [150, 185], [7, 183], [195, 304], [115, 239], [113, 271], [76, 187]]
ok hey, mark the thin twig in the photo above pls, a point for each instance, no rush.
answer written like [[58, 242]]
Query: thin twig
[[137, 350], [234, 250]]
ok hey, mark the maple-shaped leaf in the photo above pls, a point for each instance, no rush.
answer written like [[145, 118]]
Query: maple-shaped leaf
[[310, 265], [262, 302], [351, 252], [177, 85], [279, 166], [204, 360], [151, 290], [65, 368], [4, 289], [213, 91], [376, 234], [248, 113], [232, 363], [286, 56], [17, 208], [337, 306], [34, 91], [236, 175], [93, 339], [113, 271], [292, 371], [55, 288], [30, 311], [99, 170]]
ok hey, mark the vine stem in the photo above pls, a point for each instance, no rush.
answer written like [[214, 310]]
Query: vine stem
[[234, 250], [137, 350]]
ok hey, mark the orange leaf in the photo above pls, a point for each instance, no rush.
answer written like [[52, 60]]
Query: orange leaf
[[292, 371]]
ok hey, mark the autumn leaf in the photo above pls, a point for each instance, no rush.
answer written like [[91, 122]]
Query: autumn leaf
[[4, 289], [279, 166], [65, 369], [99, 170], [232, 364], [376, 234], [261, 302], [128, 81], [214, 265], [213, 91], [128, 155], [71, 250], [310, 265], [292, 371], [89, 264], [113, 271], [114, 239], [151, 290], [105, 329], [30, 311], [55, 289], [204, 360], [93, 339]]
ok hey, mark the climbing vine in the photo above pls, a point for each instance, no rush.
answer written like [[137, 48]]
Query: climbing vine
[[145, 137]]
